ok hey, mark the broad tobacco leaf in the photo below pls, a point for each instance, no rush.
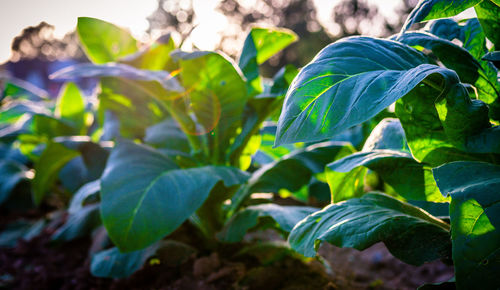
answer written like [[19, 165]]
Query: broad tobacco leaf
[[410, 234], [285, 217], [144, 196], [71, 107], [11, 173], [217, 96], [349, 82], [475, 220], [104, 42]]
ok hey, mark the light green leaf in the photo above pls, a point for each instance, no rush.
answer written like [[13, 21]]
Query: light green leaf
[[285, 217], [217, 96], [154, 187], [475, 220], [488, 14], [434, 9], [71, 106], [351, 81], [104, 42], [154, 57], [259, 46], [53, 158], [409, 233]]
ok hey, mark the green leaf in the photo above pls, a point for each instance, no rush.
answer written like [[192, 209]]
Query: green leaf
[[11, 173], [488, 14], [217, 96], [351, 81], [388, 134], [434, 9], [71, 106], [461, 61], [475, 220], [48, 126], [409, 233], [79, 224], [20, 229], [409, 178], [112, 263], [286, 217], [155, 56], [53, 158], [85, 192], [442, 130], [346, 185], [153, 186], [492, 56], [167, 134], [104, 42], [259, 46], [157, 80]]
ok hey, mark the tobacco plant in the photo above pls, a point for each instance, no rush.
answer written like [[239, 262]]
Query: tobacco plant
[[438, 161]]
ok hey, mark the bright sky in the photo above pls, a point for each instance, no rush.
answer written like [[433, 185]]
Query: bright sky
[[18, 14]]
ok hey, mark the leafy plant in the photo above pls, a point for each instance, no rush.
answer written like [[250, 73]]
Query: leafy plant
[[446, 98]]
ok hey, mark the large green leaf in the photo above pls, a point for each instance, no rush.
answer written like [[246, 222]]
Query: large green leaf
[[49, 126], [140, 185], [217, 95], [11, 173], [71, 106], [434, 9], [259, 46], [409, 178], [285, 217], [104, 42], [475, 221], [409, 233], [460, 60], [351, 81], [53, 158]]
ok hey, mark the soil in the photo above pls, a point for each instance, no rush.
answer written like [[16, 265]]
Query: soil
[[39, 264]]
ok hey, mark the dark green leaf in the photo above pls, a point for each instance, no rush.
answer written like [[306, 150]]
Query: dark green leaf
[[84, 193], [104, 42], [79, 224], [351, 81], [53, 158], [469, 70], [492, 56], [409, 178], [409, 233], [286, 218], [153, 187], [475, 220], [11, 173], [112, 263], [20, 229]]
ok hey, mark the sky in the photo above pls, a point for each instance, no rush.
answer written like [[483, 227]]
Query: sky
[[18, 14]]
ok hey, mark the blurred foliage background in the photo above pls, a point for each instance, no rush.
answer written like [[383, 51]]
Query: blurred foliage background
[[36, 52]]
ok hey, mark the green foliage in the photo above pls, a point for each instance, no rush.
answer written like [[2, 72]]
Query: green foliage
[[104, 42]]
